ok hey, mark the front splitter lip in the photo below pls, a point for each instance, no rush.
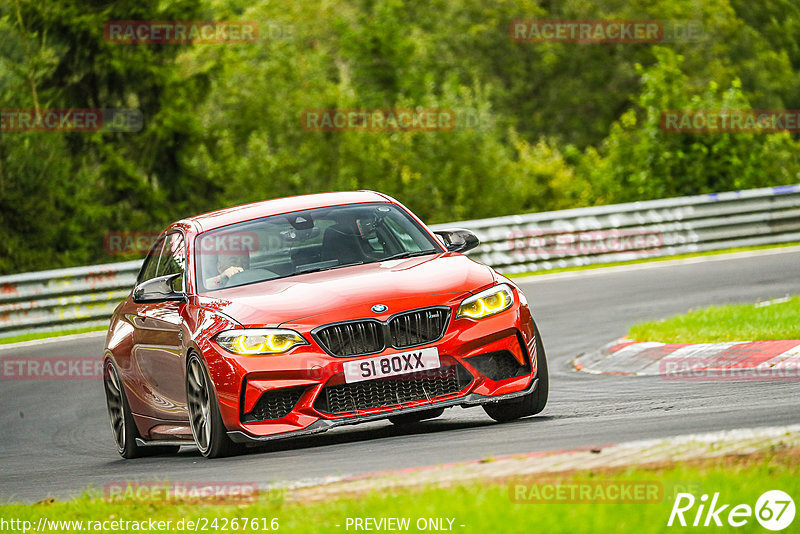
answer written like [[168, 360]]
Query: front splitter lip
[[323, 425]]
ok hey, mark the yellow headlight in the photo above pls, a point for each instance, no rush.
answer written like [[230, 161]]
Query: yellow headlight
[[486, 303], [259, 341]]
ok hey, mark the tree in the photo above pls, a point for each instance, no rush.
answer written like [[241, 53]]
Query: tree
[[639, 160]]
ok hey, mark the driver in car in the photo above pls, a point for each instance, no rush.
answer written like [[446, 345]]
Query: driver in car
[[227, 266]]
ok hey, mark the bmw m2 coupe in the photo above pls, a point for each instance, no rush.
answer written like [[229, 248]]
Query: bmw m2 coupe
[[289, 317]]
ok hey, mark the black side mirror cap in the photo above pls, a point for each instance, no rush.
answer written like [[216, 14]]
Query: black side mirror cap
[[458, 239], [160, 289]]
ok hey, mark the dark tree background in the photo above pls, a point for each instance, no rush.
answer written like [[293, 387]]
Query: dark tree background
[[555, 125]]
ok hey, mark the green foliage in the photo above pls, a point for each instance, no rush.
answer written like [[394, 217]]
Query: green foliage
[[540, 126], [639, 160]]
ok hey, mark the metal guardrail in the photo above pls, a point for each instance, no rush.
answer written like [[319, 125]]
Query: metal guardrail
[[86, 296], [63, 298], [622, 232]]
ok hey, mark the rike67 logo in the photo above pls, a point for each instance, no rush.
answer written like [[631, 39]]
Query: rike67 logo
[[774, 510]]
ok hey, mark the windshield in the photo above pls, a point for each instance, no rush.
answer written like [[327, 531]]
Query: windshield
[[307, 241]]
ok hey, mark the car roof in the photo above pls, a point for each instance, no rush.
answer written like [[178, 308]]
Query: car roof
[[265, 208]]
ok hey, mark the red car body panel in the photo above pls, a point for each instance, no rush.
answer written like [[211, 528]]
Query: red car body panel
[[336, 293], [149, 343]]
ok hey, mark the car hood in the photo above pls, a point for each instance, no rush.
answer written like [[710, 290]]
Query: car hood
[[350, 292]]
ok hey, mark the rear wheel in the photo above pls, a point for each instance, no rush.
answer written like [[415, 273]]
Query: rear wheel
[[416, 417], [533, 402], [122, 424], [209, 432]]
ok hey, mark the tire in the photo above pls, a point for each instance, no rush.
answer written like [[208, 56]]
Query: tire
[[210, 434], [416, 417], [123, 427], [533, 402]]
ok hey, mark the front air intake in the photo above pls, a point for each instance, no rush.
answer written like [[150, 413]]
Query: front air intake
[[393, 391], [274, 404]]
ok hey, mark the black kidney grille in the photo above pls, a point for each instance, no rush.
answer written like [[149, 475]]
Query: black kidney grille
[[418, 327], [274, 404], [393, 391], [370, 336], [350, 339]]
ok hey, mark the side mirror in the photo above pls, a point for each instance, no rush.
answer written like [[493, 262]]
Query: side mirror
[[159, 289], [458, 239]]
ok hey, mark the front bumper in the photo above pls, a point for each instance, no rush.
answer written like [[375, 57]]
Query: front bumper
[[241, 381], [323, 425]]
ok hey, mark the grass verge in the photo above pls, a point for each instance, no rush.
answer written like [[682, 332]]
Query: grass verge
[[45, 335], [477, 507], [737, 322], [652, 260]]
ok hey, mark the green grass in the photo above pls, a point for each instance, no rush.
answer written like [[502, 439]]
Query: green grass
[[652, 260], [737, 322], [45, 335], [480, 507]]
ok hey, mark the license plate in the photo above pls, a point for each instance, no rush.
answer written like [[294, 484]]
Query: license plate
[[391, 365]]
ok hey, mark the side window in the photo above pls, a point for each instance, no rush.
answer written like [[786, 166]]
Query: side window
[[150, 266], [173, 259]]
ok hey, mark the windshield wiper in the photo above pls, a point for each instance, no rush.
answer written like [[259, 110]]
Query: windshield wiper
[[402, 255], [399, 256], [327, 268]]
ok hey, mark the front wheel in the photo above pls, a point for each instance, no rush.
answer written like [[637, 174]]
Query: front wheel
[[208, 430], [533, 402]]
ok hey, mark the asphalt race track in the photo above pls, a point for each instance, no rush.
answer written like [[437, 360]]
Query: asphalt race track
[[55, 438]]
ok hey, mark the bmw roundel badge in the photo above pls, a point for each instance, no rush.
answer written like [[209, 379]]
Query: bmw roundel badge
[[380, 308]]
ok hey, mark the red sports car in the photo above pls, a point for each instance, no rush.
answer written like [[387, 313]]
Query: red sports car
[[292, 316]]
